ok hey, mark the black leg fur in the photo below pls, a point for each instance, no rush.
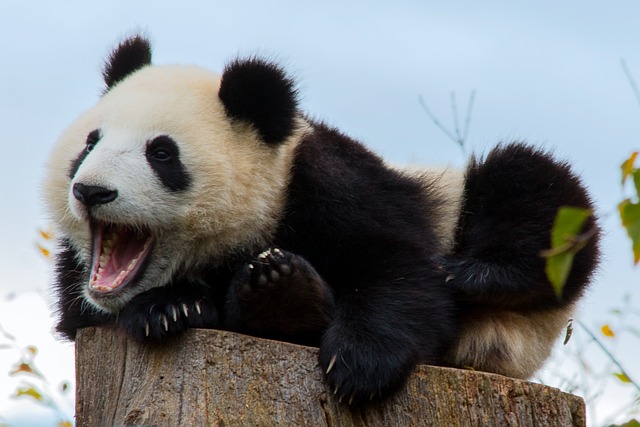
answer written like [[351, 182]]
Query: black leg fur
[[279, 295], [74, 312], [510, 202]]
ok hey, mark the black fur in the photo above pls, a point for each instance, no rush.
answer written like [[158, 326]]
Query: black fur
[[130, 55], [274, 288], [510, 202], [163, 156], [260, 93], [74, 312], [367, 231], [92, 139]]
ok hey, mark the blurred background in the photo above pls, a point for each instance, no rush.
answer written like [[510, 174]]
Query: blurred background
[[546, 72]]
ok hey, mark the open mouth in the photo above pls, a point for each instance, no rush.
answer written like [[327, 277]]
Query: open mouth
[[119, 256]]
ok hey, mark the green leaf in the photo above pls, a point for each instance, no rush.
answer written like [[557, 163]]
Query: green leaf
[[636, 181], [565, 243], [630, 423], [630, 216]]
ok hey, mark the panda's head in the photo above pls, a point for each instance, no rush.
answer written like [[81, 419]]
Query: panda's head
[[174, 168]]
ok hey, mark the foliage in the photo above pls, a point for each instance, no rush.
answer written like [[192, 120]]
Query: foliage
[[629, 208], [34, 385]]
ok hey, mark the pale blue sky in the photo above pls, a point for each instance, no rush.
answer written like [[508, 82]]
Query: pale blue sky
[[548, 72]]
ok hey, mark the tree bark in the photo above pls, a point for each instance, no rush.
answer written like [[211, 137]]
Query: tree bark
[[209, 377]]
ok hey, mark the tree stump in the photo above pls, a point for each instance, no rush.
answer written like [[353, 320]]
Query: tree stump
[[209, 377]]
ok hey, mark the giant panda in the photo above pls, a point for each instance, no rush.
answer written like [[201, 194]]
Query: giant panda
[[187, 199]]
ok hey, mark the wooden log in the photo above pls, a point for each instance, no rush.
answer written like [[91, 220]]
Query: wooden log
[[217, 378]]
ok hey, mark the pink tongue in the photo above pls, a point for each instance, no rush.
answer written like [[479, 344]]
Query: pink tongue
[[116, 257]]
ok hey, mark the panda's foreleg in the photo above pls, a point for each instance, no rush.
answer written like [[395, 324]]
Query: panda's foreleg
[[279, 295], [73, 310], [159, 313], [392, 312]]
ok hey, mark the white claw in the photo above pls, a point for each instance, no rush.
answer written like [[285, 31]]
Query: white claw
[[185, 310], [351, 400], [198, 309], [175, 313], [449, 278], [146, 329], [165, 323], [250, 266], [331, 363]]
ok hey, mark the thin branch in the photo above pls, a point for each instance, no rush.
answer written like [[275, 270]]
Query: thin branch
[[467, 122], [435, 120], [631, 80], [609, 355], [459, 138], [454, 113]]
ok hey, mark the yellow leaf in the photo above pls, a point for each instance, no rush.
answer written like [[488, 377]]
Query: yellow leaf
[[607, 332], [65, 423], [627, 166], [44, 251], [622, 377], [33, 350], [46, 235], [31, 392]]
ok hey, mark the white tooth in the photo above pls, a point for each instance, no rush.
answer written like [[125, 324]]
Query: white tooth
[[99, 276], [103, 260], [107, 250]]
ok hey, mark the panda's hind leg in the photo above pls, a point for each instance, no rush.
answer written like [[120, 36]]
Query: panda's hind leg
[[510, 201]]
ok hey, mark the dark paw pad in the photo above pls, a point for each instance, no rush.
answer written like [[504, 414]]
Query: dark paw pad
[[269, 268], [279, 294]]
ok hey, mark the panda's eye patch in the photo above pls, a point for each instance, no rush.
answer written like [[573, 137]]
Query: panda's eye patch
[[92, 139], [163, 155]]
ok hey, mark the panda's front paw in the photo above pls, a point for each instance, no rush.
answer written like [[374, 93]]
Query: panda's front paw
[[270, 268], [278, 294], [153, 316], [361, 371]]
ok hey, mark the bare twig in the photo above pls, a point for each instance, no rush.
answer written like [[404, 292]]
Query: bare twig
[[609, 355], [631, 80], [458, 136]]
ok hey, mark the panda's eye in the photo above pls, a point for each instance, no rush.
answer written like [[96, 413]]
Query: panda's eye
[[162, 149], [92, 139], [161, 155]]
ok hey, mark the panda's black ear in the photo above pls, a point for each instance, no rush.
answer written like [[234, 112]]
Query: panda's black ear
[[130, 55], [261, 93]]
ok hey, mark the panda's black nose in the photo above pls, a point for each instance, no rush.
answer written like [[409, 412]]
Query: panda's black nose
[[92, 195]]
